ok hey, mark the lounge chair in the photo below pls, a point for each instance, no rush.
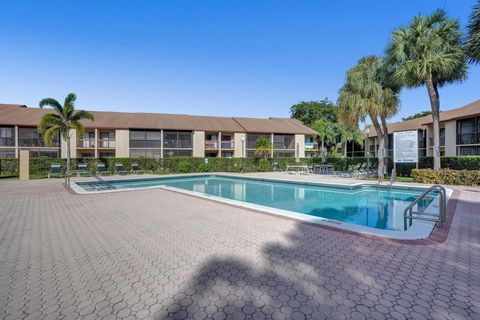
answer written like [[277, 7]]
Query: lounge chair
[[82, 169], [119, 169], [136, 169], [345, 173], [102, 170], [55, 170]]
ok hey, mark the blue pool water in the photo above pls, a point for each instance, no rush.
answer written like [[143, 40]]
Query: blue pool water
[[369, 205]]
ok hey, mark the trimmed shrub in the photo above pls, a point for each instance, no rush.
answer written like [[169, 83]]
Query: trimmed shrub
[[461, 162], [204, 167], [264, 165], [447, 176], [184, 167]]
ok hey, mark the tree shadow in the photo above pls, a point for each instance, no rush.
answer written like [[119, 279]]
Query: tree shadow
[[313, 273]]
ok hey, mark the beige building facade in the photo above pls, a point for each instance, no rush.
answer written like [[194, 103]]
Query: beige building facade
[[459, 133], [135, 135]]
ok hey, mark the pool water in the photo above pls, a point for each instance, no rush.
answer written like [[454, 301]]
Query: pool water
[[367, 205]]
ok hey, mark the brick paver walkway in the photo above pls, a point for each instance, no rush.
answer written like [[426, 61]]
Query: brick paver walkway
[[157, 254]]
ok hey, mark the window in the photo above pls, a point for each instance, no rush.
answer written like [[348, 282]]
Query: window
[[36, 153], [107, 139], [284, 141], [467, 131], [468, 151], [146, 153], [355, 150], [7, 153], [284, 153], [177, 153], [252, 139], [30, 137], [106, 155], [145, 139], [87, 155], [7, 136], [177, 139]]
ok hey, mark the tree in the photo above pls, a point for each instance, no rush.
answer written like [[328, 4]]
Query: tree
[[347, 133], [367, 93], [428, 52], [472, 46], [263, 147], [326, 133], [62, 121], [417, 115], [309, 112]]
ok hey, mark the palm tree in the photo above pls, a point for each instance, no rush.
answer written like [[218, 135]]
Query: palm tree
[[472, 47], [326, 133], [62, 121], [347, 133], [263, 147], [428, 52], [367, 93]]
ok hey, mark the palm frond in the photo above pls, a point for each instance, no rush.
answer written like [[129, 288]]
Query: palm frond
[[52, 103], [82, 115], [50, 134], [75, 124], [49, 120]]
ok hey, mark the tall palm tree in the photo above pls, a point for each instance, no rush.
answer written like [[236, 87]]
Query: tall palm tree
[[428, 52], [326, 133], [472, 47], [62, 121], [366, 94], [263, 147]]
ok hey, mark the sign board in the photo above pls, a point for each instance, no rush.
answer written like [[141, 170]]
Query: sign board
[[405, 146]]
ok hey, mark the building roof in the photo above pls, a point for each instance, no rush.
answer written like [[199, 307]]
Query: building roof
[[11, 114], [469, 110]]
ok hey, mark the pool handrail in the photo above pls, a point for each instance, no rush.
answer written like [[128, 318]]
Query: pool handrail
[[407, 214]]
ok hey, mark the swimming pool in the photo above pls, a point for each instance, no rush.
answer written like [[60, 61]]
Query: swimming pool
[[368, 205]]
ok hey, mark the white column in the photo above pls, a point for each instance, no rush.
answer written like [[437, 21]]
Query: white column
[[97, 138], [16, 142], [199, 144], [451, 138], [220, 144], [122, 143], [239, 144], [300, 144], [161, 144]]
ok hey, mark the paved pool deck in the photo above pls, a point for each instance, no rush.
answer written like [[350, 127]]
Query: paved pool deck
[[158, 254]]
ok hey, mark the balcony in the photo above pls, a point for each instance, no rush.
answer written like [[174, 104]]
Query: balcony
[[86, 143], [227, 145], [106, 143], [311, 145], [211, 144], [7, 142], [32, 142]]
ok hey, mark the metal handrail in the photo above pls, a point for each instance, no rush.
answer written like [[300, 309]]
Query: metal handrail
[[407, 214]]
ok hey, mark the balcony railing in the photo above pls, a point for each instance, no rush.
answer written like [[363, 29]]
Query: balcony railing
[[7, 142], [311, 145], [174, 144], [211, 144], [32, 142], [227, 145], [106, 143], [86, 143], [283, 145]]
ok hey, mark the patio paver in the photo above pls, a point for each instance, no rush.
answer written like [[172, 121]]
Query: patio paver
[[156, 254]]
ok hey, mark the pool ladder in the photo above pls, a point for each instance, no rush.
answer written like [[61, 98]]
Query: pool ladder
[[92, 174], [410, 215]]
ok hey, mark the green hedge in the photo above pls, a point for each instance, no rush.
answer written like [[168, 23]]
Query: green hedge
[[8, 167], [447, 176]]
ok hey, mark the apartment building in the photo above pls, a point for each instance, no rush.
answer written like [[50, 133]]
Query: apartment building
[[459, 133], [153, 135]]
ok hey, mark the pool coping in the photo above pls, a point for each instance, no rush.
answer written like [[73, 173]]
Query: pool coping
[[418, 231]]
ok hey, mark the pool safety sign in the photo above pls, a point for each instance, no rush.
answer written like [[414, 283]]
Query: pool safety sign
[[405, 146]]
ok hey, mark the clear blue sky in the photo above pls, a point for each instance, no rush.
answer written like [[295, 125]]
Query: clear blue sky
[[230, 57]]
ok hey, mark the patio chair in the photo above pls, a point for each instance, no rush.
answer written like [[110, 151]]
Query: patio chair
[[119, 169], [82, 169], [102, 170], [345, 173], [55, 170], [136, 169]]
